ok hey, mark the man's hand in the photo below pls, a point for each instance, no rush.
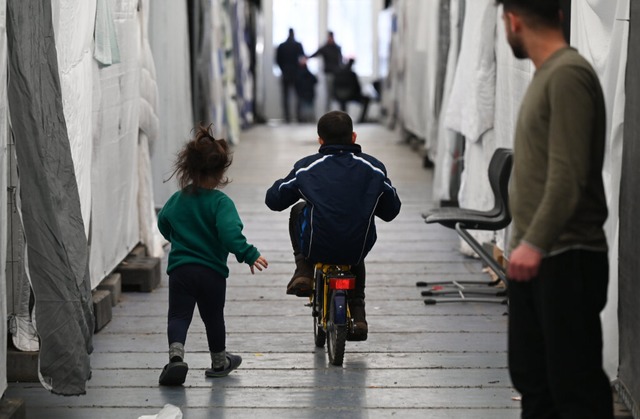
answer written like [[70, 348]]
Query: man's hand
[[524, 263], [259, 264]]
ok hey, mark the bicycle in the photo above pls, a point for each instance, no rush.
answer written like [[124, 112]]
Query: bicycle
[[332, 320]]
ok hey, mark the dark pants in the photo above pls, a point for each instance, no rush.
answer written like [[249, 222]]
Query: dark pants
[[364, 106], [288, 90], [295, 232], [555, 338], [197, 284]]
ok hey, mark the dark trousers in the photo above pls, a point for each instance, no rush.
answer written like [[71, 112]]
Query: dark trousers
[[289, 90], [295, 232], [555, 338], [364, 106], [197, 284]]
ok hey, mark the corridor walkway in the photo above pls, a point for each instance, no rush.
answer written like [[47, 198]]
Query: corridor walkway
[[443, 361]]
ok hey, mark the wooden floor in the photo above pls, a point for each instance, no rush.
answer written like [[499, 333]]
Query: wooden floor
[[443, 361]]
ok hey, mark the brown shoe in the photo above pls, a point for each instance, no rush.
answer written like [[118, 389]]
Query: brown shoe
[[360, 328], [300, 286], [301, 283]]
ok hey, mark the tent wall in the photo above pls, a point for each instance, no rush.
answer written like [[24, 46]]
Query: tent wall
[[88, 111], [169, 38], [600, 31], [485, 113], [49, 201], [4, 202], [115, 117], [629, 281]]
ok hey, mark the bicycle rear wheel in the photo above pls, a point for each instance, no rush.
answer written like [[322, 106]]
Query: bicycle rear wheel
[[336, 328]]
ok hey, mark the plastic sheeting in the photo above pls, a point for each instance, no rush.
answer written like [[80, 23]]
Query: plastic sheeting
[[115, 118], [471, 106], [600, 31], [169, 39], [471, 109], [419, 37], [148, 135], [449, 142], [50, 203], [4, 159]]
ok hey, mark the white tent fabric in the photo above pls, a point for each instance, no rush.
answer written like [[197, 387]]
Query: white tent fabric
[[4, 158], [471, 107], [169, 40], [427, 45], [421, 20], [600, 31], [73, 27], [49, 201], [116, 109], [446, 137], [148, 134], [470, 110]]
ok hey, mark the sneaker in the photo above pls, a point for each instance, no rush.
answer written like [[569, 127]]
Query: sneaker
[[300, 287], [234, 362], [174, 373]]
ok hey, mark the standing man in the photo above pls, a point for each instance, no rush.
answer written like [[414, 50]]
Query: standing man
[[288, 57], [558, 264], [331, 54]]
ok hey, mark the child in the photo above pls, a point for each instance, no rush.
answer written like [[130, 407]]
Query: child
[[342, 189], [203, 226]]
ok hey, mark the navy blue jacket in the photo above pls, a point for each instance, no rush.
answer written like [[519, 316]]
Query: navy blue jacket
[[344, 188]]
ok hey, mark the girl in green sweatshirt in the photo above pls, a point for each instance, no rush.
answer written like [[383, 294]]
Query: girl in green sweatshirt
[[203, 226]]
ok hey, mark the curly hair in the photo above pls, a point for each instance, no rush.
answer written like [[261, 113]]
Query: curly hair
[[203, 161]]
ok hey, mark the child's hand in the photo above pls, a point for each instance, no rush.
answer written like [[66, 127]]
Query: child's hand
[[260, 263]]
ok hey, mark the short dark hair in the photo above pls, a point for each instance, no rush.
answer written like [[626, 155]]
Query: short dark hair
[[544, 12], [335, 127]]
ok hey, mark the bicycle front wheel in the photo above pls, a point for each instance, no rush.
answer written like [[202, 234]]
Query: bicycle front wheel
[[336, 328]]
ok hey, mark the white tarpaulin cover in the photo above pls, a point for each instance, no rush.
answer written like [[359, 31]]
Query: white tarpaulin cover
[[169, 39], [470, 110], [471, 106], [116, 108], [447, 139], [57, 251], [148, 135], [600, 31]]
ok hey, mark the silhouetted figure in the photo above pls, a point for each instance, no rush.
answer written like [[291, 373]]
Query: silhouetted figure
[[331, 54], [306, 90], [287, 57], [346, 88]]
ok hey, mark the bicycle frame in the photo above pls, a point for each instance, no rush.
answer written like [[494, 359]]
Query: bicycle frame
[[338, 278], [332, 318]]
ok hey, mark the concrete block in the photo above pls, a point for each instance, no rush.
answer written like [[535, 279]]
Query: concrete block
[[22, 367], [101, 308], [140, 273], [113, 284], [12, 408]]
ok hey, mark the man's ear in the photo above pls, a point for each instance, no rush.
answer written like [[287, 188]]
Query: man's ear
[[353, 137], [514, 21], [320, 141]]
